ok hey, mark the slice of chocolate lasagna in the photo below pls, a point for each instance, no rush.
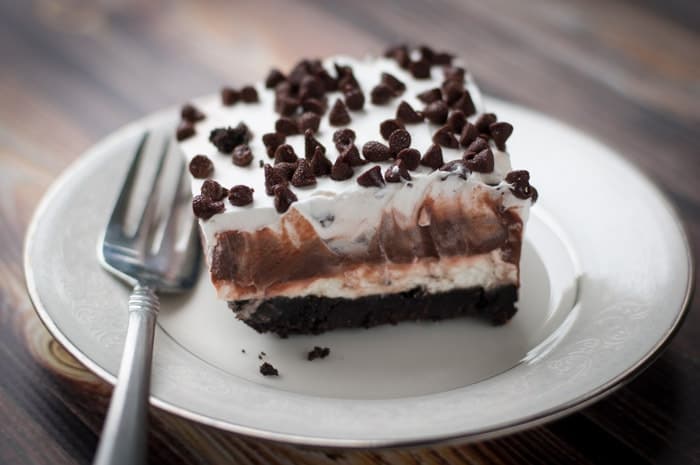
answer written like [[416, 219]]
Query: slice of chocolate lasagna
[[350, 193]]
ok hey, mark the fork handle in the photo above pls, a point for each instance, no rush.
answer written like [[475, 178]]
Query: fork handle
[[124, 433]]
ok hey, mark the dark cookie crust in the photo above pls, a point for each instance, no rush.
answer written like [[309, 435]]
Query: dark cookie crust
[[315, 315]]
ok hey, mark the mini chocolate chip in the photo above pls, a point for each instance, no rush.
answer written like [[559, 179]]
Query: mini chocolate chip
[[436, 112], [341, 70], [481, 162], [456, 121], [407, 115], [201, 166], [229, 96], [351, 156], [397, 87], [354, 99], [346, 83], [284, 197], [243, 131], [286, 126], [266, 369], [318, 352], [272, 140], [403, 58], [445, 137], [226, 139], [297, 73], [426, 53], [442, 58], [411, 158], [330, 84], [205, 208], [381, 94], [273, 78], [400, 54], [303, 176], [343, 138], [388, 126], [261, 163], [285, 153], [432, 157], [465, 104], [286, 169], [455, 167], [320, 164], [500, 132], [309, 121], [341, 170], [242, 155], [240, 195], [371, 178], [191, 113], [339, 115], [520, 185], [213, 190], [397, 171], [469, 135], [310, 144], [315, 66], [345, 76], [249, 94], [376, 151], [184, 130], [454, 73], [314, 106], [451, 92], [478, 145], [286, 106], [430, 95], [285, 88], [399, 140], [420, 69], [483, 122], [311, 87], [272, 178]]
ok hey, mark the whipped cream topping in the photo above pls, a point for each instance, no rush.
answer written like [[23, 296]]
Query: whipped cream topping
[[351, 206]]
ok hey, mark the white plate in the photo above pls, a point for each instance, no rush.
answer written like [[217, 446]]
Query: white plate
[[606, 278]]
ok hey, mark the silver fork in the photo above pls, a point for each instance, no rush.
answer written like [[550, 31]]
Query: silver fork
[[131, 257]]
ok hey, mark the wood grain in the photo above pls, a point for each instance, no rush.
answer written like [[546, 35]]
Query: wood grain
[[72, 71]]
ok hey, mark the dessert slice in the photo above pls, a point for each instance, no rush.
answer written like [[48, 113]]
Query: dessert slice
[[352, 193]]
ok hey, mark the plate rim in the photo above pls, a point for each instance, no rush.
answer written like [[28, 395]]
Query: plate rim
[[501, 429]]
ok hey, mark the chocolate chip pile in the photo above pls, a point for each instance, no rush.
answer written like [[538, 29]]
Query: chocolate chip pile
[[301, 100]]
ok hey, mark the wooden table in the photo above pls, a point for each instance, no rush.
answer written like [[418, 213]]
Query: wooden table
[[72, 71]]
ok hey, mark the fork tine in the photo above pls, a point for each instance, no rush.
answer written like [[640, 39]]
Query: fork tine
[[118, 217], [167, 242], [131, 257], [192, 256], [149, 211]]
